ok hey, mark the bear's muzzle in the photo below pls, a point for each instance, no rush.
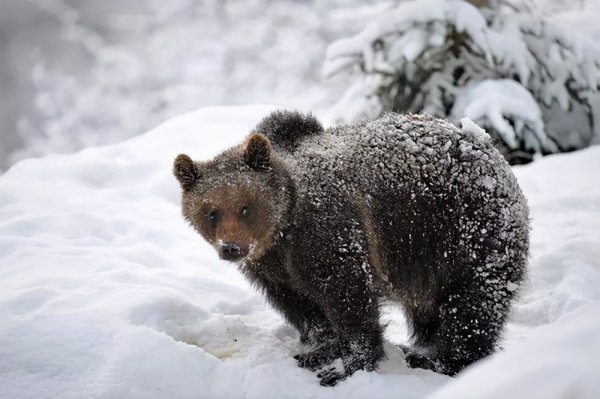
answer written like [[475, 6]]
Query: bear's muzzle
[[232, 252]]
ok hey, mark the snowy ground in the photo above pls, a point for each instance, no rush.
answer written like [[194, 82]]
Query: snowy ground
[[106, 292]]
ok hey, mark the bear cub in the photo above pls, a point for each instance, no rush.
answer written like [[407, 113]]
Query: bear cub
[[331, 223]]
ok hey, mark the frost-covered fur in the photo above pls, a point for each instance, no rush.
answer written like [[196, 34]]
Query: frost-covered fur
[[406, 208]]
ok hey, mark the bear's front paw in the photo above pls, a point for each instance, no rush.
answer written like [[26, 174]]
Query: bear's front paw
[[317, 358], [346, 366], [331, 375]]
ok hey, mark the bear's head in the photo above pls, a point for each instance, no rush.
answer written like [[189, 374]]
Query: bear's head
[[239, 200]]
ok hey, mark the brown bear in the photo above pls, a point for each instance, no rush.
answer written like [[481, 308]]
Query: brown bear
[[329, 224]]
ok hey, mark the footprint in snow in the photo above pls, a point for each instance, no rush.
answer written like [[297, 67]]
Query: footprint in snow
[[223, 336]]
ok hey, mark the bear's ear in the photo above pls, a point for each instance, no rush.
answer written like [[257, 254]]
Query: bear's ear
[[257, 154], [185, 171]]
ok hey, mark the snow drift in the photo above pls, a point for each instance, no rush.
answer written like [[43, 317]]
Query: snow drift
[[107, 293]]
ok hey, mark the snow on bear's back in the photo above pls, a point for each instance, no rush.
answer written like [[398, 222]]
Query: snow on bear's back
[[415, 150]]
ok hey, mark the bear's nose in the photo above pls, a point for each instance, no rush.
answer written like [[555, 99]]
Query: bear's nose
[[231, 252]]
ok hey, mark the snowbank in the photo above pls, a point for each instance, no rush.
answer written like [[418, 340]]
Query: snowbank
[[106, 292]]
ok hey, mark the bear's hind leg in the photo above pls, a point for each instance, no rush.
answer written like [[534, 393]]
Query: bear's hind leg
[[470, 326], [424, 325]]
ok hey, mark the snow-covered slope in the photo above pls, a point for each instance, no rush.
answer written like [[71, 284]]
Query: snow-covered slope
[[106, 292]]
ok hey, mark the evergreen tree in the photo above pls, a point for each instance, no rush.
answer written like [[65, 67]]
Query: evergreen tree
[[531, 84]]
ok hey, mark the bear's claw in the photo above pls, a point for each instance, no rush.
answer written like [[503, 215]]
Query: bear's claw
[[314, 360], [330, 376]]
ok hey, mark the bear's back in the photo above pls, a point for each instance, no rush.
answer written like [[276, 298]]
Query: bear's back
[[402, 153]]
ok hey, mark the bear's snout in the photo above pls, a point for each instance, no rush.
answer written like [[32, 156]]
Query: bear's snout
[[232, 252]]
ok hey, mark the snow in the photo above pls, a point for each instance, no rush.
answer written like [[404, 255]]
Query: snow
[[491, 100], [106, 292], [408, 14], [481, 135], [581, 19]]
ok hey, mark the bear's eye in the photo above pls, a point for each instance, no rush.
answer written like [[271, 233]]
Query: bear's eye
[[245, 211], [213, 216]]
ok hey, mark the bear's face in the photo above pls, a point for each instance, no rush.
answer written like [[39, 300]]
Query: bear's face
[[233, 214], [236, 200]]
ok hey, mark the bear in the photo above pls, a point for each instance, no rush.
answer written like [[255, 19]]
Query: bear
[[331, 224]]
